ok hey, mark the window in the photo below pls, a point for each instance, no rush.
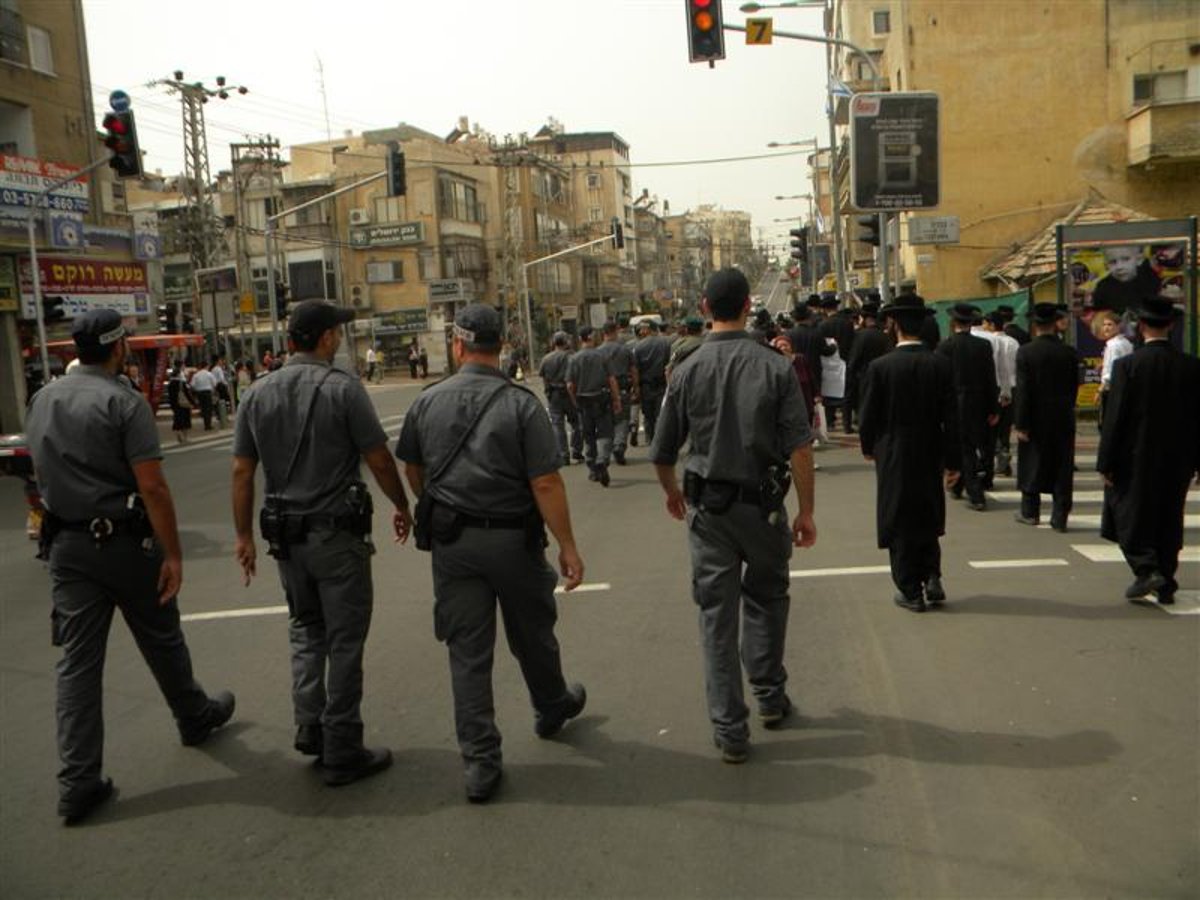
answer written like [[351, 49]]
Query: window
[[41, 52], [881, 22], [12, 34], [459, 200], [380, 272], [1159, 86], [595, 214], [464, 261], [426, 265], [593, 181], [388, 209]]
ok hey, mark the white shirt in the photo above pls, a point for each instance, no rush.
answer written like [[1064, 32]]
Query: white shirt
[[1114, 349], [370, 355], [833, 375], [1004, 355], [218, 374], [203, 380]]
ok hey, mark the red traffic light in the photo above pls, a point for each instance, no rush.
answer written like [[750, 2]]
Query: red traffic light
[[706, 42]]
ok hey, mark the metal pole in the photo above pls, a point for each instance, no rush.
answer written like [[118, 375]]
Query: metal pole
[[271, 293], [898, 270], [884, 292], [528, 312]]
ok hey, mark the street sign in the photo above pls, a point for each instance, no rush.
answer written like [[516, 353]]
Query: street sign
[[449, 290], [894, 161], [759, 31], [933, 229], [246, 304]]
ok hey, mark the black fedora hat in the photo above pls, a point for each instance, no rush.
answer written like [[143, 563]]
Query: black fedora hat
[[906, 303], [1043, 313], [1157, 310], [964, 312]]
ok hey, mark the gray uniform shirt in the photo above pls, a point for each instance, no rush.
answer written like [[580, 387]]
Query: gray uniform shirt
[[512, 444], [620, 361], [652, 353], [740, 404], [554, 368], [85, 432], [342, 426], [589, 370]]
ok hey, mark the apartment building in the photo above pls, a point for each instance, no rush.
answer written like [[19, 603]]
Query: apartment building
[[1041, 105], [690, 259], [84, 242]]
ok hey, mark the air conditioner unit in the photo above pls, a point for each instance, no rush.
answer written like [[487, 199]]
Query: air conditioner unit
[[360, 216], [360, 296]]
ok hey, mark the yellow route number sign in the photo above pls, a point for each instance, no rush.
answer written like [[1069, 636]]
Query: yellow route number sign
[[759, 31], [246, 304]]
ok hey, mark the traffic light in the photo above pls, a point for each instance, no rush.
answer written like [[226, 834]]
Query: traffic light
[[168, 322], [189, 323], [618, 234], [799, 243], [121, 138], [281, 300], [52, 309], [396, 184], [706, 40], [869, 233]]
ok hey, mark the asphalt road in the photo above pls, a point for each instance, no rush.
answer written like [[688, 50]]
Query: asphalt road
[[1037, 738]]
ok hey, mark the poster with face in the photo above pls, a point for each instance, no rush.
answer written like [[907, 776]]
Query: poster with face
[[1111, 279]]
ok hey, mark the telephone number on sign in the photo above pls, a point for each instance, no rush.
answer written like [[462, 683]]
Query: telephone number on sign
[[10, 197]]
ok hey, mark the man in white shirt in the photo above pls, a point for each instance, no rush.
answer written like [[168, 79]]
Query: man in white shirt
[[222, 396], [1004, 351], [372, 361], [203, 385]]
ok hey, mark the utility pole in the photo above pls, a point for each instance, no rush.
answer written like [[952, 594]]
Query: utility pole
[[200, 215], [510, 157]]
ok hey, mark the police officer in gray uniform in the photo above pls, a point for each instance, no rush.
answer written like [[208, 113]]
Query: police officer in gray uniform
[[624, 370], [553, 371], [740, 405], [308, 423], [111, 540], [595, 392], [651, 353], [480, 452]]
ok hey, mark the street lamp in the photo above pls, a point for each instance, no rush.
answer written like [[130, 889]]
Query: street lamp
[[807, 142], [788, 4]]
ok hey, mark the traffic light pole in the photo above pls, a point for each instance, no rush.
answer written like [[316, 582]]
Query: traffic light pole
[[43, 201], [270, 239]]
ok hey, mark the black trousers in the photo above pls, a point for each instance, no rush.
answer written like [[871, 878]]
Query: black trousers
[[1003, 441], [914, 561], [1163, 559], [976, 454], [651, 404], [206, 408]]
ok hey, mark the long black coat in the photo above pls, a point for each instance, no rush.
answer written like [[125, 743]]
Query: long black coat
[[975, 383], [807, 339], [840, 327], [1150, 445], [1044, 406], [908, 421], [870, 343]]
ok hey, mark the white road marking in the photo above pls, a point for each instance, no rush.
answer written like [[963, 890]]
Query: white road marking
[[1190, 520], [1112, 553], [282, 610], [218, 443], [1079, 496], [1015, 563], [853, 570], [235, 613]]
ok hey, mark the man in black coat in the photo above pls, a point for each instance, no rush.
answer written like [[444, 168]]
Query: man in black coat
[[837, 326], [870, 343], [909, 426], [1044, 420], [1149, 452], [975, 387], [1011, 328], [806, 340]]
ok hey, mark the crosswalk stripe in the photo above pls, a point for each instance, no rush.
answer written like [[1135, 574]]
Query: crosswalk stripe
[[1079, 496], [1015, 563], [1190, 521], [1112, 553], [853, 570]]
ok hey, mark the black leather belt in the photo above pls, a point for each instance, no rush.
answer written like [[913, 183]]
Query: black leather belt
[[491, 521], [330, 523]]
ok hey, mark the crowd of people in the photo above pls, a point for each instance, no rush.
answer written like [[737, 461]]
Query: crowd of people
[[736, 399]]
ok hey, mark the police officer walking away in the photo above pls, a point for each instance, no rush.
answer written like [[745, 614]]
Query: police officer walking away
[[594, 391], [112, 542], [308, 423], [553, 372], [739, 403], [1150, 451], [1044, 420], [909, 428], [651, 353], [480, 453], [623, 368]]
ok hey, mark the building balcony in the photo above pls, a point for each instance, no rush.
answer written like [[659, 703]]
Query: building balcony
[[1164, 132]]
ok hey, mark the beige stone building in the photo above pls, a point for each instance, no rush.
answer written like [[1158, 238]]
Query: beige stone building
[[1041, 104]]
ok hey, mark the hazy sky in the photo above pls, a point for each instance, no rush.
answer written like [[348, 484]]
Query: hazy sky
[[595, 65]]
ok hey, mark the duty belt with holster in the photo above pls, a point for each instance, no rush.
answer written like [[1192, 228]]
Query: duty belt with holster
[[446, 525], [713, 496], [281, 529], [135, 523]]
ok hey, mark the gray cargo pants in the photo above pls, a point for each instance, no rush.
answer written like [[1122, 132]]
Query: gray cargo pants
[[469, 576], [88, 583], [596, 419], [327, 581], [740, 563]]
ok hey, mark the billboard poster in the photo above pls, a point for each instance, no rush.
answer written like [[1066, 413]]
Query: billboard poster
[[1112, 278], [23, 178], [894, 151], [85, 284]]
